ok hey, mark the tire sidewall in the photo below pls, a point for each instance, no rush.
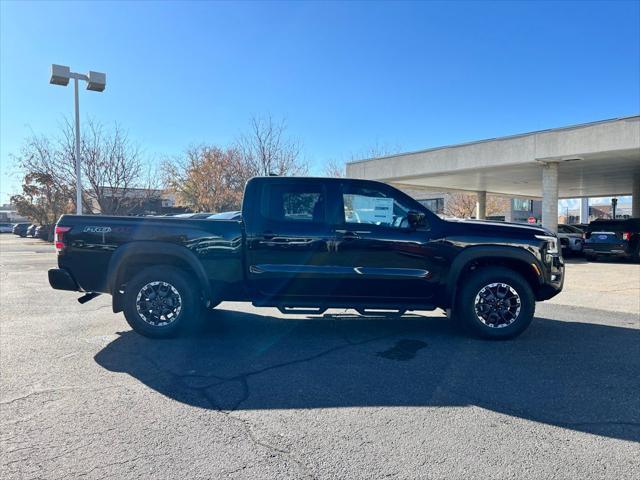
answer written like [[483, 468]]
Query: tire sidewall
[[465, 304], [189, 312]]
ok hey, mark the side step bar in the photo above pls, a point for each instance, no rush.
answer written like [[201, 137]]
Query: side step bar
[[301, 310], [312, 308]]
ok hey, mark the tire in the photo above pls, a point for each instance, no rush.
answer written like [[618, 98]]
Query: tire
[[179, 303], [477, 294]]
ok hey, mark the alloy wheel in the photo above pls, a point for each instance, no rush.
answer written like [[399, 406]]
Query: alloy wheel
[[497, 305], [158, 303]]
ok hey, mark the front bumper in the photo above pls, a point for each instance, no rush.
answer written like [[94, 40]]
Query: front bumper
[[61, 279], [553, 279]]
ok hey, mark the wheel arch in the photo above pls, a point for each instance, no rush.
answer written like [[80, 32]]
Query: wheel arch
[[131, 257], [513, 258]]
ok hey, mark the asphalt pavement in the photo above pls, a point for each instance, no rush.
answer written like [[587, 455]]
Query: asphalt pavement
[[258, 395]]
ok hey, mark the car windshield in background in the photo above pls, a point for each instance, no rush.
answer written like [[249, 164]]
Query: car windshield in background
[[568, 229]]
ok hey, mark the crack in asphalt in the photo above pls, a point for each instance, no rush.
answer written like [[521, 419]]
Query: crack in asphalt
[[55, 389], [243, 379]]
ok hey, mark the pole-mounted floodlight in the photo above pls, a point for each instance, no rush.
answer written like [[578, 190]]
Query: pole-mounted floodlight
[[96, 81]]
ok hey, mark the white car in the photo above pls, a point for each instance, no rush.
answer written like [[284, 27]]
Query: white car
[[570, 238]]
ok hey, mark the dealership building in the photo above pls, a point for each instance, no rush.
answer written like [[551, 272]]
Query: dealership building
[[598, 159]]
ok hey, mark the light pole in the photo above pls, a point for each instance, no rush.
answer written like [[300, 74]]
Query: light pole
[[96, 81]]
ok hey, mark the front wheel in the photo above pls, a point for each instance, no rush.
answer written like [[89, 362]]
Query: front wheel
[[161, 302], [495, 303]]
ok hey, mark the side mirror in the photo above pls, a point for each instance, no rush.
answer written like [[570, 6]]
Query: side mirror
[[416, 219]]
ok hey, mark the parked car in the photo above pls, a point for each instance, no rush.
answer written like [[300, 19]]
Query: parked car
[[31, 230], [298, 248], [44, 232], [570, 239], [20, 229], [235, 215], [613, 238], [6, 227]]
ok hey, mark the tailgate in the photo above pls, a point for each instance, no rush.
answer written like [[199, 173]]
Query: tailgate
[[605, 240]]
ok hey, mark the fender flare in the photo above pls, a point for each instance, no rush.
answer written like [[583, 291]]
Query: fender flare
[[134, 249], [469, 254]]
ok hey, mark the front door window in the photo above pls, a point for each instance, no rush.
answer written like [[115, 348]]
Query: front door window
[[374, 207]]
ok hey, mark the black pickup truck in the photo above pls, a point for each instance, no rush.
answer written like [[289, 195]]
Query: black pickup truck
[[304, 245]]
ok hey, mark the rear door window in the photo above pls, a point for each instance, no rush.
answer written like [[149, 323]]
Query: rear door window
[[294, 203]]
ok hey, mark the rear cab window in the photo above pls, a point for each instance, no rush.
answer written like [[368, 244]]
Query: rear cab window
[[293, 203]]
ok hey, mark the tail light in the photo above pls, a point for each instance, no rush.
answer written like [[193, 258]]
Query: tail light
[[58, 238], [626, 236]]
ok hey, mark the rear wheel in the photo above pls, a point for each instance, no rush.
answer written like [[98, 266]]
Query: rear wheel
[[495, 303], [161, 302]]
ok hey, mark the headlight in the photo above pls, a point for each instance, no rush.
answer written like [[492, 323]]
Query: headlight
[[552, 243]]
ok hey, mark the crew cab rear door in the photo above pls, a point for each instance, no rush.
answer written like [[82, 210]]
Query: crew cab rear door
[[288, 238]]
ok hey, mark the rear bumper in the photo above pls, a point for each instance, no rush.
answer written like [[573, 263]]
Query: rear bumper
[[61, 279], [615, 250]]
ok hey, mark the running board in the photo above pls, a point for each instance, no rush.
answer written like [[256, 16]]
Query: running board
[[314, 308], [381, 311], [301, 310]]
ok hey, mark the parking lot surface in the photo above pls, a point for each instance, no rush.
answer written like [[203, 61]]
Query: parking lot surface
[[256, 395]]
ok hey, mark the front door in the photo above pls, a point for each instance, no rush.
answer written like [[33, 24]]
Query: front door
[[390, 262]]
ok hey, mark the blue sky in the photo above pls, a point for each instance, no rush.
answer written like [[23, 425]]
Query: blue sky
[[345, 75]]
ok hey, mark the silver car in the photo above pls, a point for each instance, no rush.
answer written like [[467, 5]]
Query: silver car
[[570, 238], [6, 227]]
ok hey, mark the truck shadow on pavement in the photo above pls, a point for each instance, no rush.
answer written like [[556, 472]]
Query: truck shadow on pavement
[[578, 376]]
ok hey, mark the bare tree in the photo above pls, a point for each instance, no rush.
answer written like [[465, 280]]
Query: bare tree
[[460, 205], [375, 150], [334, 169], [40, 158], [463, 205], [112, 167], [337, 169], [266, 150]]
